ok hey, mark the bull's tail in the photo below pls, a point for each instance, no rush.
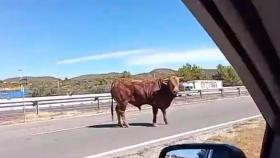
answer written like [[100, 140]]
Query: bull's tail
[[112, 109], [112, 102]]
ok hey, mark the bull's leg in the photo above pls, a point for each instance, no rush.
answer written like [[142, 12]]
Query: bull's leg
[[164, 116], [124, 120], [155, 111], [122, 114], [119, 115]]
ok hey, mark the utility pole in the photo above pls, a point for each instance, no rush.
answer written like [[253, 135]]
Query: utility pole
[[23, 93], [58, 87]]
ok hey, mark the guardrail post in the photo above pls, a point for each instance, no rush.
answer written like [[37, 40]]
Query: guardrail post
[[222, 92], [36, 103], [200, 93], [37, 108], [98, 102], [186, 95], [239, 91]]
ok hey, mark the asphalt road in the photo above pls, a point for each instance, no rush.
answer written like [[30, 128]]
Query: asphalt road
[[16, 113], [83, 136]]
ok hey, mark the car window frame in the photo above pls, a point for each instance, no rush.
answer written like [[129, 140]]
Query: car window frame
[[224, 21]]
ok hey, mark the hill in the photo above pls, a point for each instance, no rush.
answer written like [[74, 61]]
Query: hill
[[33, 79], [90, 83], [97, 76], [84, 84], [159, 73], [156, 73]]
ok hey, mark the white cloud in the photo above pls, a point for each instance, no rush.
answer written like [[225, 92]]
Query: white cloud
[[155, 57], [165, 57], [108, 55]]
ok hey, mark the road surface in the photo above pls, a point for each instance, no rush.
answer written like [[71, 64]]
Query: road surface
[[84, 136]]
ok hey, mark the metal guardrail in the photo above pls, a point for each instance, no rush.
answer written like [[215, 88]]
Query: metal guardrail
[[238, 89], [90, 101]]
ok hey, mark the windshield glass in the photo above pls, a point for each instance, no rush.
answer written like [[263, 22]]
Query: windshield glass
[[115, 78]]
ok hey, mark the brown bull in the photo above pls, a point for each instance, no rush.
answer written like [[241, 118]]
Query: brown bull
[[157, 93]]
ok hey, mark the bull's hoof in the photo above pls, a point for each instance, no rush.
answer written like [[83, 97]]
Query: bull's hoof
[[120, 125], [126, 125], [155, 125]]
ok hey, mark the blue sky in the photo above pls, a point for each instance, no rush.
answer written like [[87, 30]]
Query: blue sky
[[66, 38]]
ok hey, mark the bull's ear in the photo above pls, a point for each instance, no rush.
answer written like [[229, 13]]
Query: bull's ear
[[180, 78]]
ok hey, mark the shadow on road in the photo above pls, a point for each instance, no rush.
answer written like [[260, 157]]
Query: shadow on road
[[116, 125]]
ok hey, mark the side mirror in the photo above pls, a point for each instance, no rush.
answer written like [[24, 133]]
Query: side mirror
[[202, 151]]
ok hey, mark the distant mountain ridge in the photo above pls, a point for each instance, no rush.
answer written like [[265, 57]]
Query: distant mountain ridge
[[84, 84], [95, 76], [32, 79], [157, 73]]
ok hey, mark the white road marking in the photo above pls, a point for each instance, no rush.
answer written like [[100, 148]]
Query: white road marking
[[170, 137]]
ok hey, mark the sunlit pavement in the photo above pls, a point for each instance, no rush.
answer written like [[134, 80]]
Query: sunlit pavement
[[83, 136]]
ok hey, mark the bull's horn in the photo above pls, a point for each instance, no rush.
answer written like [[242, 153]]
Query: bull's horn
[[165, 80]]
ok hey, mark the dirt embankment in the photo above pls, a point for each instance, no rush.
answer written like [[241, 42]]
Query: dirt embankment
[[247, 136]]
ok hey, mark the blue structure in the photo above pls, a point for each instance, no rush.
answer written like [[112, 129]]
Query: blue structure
[[9, 94]]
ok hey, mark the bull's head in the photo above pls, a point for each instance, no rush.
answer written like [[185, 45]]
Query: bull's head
[[173, 84]]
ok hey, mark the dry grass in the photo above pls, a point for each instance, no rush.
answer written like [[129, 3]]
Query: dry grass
[[44, 116], [247, 136]]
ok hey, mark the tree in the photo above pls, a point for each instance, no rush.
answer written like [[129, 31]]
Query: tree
[[126, 74], [38, 91], [101, 81], [190, 72], [53, 91], [228, 75], [35, 92]]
